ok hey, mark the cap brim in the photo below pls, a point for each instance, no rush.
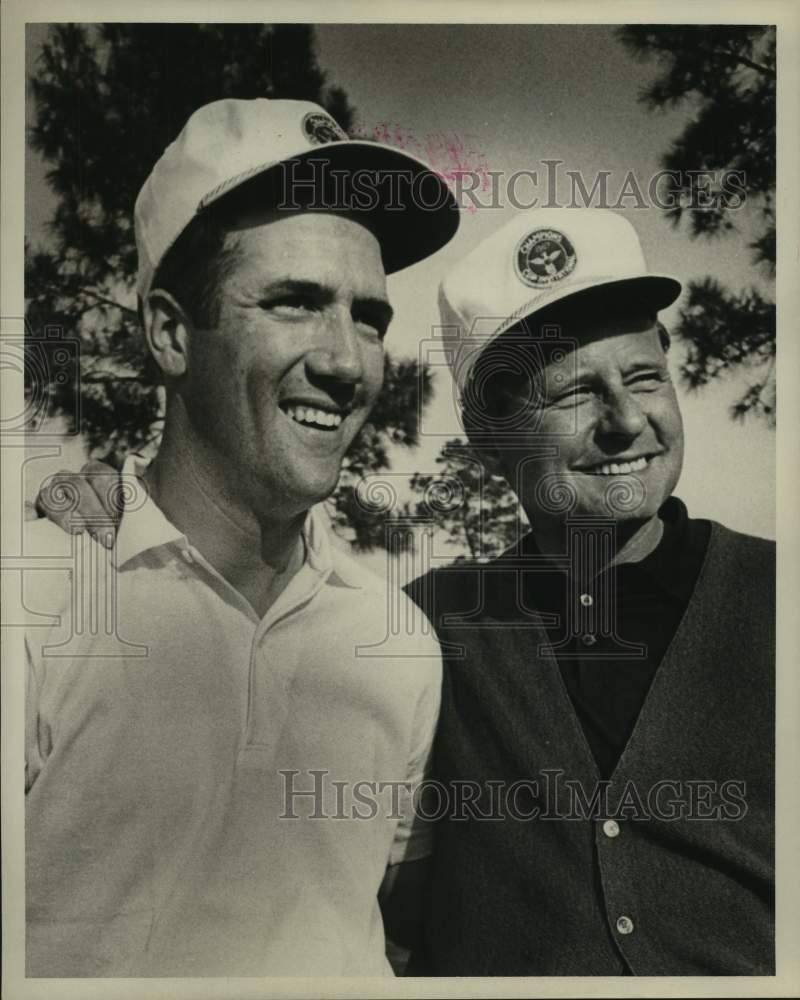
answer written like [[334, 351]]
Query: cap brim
[[656, 290], [408, 206]]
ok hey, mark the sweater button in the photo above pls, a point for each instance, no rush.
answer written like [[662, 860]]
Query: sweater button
[[624, 925], [611, 828]]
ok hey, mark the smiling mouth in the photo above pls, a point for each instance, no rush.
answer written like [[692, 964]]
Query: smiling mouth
[[317, 417], [619, 468]]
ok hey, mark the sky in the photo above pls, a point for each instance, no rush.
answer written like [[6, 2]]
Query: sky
[[515, 95], [506, 98]]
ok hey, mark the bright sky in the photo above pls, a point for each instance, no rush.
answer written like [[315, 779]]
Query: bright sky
[[510, 97], [515, 95]]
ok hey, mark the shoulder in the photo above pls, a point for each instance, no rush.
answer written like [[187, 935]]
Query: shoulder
[[752, 552], [57, 579], [387, 623], [742, 568], [456, 588], [368, 588], [42, 538], [50, 557]]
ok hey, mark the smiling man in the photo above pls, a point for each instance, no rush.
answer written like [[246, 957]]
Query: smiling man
[[204, 699], [605, 751], [601, 411], [606, 743]]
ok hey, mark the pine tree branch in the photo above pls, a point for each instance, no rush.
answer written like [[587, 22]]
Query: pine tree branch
[[101, 299], [750, 63], [467, 533], [109, 302], [101, 377]]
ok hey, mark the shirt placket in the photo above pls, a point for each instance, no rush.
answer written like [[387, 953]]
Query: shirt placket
[[264, 680], [270, 677]]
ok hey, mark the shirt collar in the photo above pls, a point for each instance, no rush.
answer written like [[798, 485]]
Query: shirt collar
[[322, 557], [672, 566], [675, 561], [144, 526]]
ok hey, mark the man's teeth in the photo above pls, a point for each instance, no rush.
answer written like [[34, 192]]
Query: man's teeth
[[313, 417], [620, 468]]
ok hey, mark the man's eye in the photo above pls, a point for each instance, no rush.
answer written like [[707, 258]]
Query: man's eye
[[574, 397], [374, 325], [374, 329], [647, 380], [289, 305]]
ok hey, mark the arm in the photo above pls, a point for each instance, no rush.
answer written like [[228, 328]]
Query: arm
[[37, 737], [403, 894], [402, 901]]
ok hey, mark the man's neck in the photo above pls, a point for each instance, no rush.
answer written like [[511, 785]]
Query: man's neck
[[258, 555]]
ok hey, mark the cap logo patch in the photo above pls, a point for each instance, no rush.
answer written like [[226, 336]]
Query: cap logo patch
[[319, 129], [544, 257]]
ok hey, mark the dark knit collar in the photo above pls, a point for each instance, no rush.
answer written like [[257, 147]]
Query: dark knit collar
[[672, 566]]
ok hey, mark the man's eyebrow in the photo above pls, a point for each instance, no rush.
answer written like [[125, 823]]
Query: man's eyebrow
[[295, 286], [635, 366], [323, 295], [588, 376]]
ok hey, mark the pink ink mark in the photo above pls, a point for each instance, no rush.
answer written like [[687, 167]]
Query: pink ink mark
[[451, 155]]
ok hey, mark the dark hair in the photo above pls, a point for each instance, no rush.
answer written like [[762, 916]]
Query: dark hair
[[193, 268]]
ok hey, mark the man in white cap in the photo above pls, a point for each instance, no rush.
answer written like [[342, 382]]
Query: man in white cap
[[204, 699], [605, 751]]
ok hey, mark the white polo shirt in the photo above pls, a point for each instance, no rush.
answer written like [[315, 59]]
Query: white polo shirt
[[170, 736]]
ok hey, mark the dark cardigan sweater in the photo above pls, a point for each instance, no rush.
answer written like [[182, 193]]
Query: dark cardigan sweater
[[691, 867]]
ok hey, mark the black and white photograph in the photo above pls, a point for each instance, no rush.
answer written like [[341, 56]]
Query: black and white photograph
[[400, 537]]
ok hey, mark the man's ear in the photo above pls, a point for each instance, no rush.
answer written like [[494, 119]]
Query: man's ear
[[167, 331]]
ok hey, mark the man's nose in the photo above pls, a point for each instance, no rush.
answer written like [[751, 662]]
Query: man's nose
[[623, 415], [338, 355]]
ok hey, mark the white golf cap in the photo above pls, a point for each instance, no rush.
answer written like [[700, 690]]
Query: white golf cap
[[228, 142], [541, 257]]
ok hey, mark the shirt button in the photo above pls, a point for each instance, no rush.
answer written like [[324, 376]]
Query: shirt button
[[611, 828], [586, 600], [187, 555], [624, 925], [588, 640]]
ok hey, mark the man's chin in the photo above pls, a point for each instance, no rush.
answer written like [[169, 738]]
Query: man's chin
[[294, 496], [309, 494], [625, 499]]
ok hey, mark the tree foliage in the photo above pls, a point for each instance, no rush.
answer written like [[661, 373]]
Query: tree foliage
[[478, 511], [108, 99], [726, 75]]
